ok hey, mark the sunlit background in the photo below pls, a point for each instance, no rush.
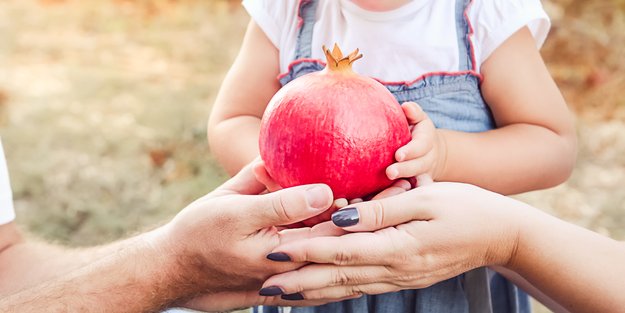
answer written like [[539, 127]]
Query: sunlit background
[[103, 110]]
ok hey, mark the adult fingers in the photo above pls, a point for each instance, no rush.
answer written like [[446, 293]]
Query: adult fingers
[[319, 276], [283, 207], [350, 249], [339, 292], [349, 291], [227, 301], [382, 213], [320, 230]]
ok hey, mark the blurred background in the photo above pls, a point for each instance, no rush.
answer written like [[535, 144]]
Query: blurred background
[[103, 110]]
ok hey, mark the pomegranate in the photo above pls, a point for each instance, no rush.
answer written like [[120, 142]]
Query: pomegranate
[[333, 127]]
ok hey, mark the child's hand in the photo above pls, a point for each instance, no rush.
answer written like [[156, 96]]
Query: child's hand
[[420, 155]]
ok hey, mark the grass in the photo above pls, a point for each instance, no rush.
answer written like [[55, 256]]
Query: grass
[[103, 106]]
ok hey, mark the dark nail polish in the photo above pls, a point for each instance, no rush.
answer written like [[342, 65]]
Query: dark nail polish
[[270, 291], [293, 297], [279, 257], [345, 217]]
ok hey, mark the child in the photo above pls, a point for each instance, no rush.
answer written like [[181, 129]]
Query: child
[[474, 69]]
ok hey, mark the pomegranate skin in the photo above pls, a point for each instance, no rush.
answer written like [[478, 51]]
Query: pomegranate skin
[[336, 128]]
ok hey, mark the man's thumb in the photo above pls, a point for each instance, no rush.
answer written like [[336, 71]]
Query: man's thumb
[[291, 205]]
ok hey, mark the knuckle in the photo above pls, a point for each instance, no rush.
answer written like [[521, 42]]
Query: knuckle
[[407, 281], [355, 291], [378, 212], [342, 258], [340, 278], [280, 207]]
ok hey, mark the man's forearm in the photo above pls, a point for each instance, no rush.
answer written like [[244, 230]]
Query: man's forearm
[[137, 277], [26, 264]]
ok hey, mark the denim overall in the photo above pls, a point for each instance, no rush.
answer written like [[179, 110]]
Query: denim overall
[[452, 101]]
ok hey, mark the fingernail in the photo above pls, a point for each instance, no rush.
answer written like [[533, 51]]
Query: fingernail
[[317, 197], [279, 257], [345, 217], [293, 297], [340, 203], [393, 173], [270, 291], [401, 156]]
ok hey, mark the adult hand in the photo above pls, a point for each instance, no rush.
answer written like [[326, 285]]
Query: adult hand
[[220, 241], [228, 300], [408, 241]]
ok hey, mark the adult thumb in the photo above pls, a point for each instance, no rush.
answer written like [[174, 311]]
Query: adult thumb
[[288, 206]]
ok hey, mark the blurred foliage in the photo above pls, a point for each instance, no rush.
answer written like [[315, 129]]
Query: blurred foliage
[[586, 54], [105, 104]]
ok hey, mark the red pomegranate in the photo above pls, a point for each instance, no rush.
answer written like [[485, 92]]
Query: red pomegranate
[[333, 127]]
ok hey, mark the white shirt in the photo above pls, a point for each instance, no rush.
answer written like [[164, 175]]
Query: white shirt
[[7, 214], [415, 39]]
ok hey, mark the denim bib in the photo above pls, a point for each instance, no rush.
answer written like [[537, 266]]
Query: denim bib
[[453, 101]]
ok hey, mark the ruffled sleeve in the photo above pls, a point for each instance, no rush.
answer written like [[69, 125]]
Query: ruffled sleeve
[[274, 17], [494, 21]]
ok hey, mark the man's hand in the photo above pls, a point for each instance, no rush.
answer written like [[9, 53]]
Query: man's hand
[[219, 243], [221, 240]]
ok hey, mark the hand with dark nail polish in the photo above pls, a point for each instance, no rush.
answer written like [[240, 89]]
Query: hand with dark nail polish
[[346, 217], [271, 291], [279, 257], [293, 297]]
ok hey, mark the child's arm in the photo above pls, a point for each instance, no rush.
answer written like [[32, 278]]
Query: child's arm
[[534, 145], [234, 123]]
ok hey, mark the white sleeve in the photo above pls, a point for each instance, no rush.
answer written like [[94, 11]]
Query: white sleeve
[[494, 21], [274, 17], [7, 214]]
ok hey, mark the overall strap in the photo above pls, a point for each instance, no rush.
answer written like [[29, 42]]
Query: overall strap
[[477, 288], [307, 18], [464, 30], [477, 284]]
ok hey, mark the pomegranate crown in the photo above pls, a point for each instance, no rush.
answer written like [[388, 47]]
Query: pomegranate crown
[[338, 62]]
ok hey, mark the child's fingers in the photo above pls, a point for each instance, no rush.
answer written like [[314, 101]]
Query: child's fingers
[[424, 180], [408, 168], [398, 187], [414, 113], [422, 142], [416, 148], [340, 203], [357, 200], [264, 178]]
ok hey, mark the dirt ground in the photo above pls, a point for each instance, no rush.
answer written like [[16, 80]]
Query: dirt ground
[[103, 106]]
